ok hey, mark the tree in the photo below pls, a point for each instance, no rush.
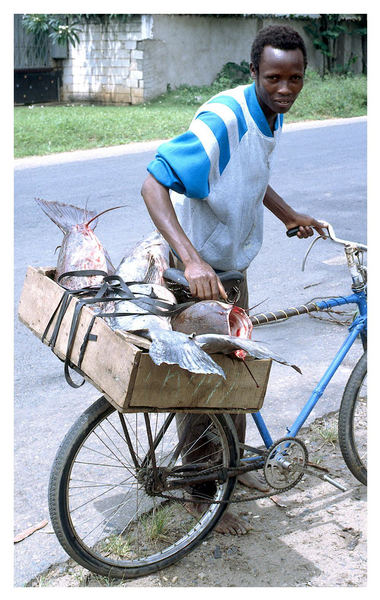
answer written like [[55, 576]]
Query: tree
[[325, 32], [59, 28], [64, 29]]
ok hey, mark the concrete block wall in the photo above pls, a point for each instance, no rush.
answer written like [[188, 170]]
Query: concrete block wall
[[134, 61], [106, 67]]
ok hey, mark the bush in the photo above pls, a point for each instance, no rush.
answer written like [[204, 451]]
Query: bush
[[233, 74]]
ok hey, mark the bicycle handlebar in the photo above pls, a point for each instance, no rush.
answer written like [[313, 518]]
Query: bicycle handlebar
[[331, 234]]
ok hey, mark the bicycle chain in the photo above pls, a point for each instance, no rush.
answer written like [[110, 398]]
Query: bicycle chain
[[257, 496], [272, 492]]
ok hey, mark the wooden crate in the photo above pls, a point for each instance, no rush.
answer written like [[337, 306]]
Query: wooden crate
[[118, 364]]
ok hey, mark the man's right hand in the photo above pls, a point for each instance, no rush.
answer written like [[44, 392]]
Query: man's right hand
[[204, 282]]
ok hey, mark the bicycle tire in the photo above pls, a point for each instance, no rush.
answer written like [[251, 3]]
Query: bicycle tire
[[352, 429], [75, 479]]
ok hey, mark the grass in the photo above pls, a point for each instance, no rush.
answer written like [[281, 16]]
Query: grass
[[156, 523], [44, 129], [116, 544]]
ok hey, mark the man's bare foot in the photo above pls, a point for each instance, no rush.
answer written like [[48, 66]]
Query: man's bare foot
[[232, 524], [253, 482], [228, 524]]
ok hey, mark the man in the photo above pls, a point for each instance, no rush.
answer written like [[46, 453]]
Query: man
[[218, 176]]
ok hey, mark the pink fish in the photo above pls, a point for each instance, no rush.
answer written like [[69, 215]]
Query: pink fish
[[80, 249], [212, 316]]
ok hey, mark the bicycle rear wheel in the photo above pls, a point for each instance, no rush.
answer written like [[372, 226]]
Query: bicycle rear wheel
[[103, 498], [352, 423]]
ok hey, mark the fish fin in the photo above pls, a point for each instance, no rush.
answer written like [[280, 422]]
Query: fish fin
[[110, 268], [150, 270], [232, 343], [167, 347], [65, 216], [95, 216]]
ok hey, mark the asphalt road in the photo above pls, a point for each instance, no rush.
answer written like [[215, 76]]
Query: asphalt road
[[320, 170]]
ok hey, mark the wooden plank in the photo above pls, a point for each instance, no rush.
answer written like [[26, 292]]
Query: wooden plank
[[174, 388], [109, 362], [134, 339]]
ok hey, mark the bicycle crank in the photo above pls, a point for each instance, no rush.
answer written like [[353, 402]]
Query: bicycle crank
[[287, 462]]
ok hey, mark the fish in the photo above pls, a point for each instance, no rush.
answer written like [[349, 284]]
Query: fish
[[213, 343], [147, 261], [80, 248], [213, 316], [142, 269], [225, 329]]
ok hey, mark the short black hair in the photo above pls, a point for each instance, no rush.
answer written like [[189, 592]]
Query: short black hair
[[281, 37]]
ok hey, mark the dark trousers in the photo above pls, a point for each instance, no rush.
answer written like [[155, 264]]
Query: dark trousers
[[191, 426]]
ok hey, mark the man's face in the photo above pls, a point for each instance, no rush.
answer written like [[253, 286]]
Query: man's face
[[279, 80]]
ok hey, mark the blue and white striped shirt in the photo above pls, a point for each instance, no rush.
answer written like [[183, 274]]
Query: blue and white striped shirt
[[218, 172]]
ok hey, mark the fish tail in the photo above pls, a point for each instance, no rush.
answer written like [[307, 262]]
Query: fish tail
[[65, 216]]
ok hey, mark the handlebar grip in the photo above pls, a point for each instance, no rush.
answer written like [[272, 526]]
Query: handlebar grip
[[225, 276], [292, 232], [176, 275]]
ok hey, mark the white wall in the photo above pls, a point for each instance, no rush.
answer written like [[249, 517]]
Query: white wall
[[128, 63]]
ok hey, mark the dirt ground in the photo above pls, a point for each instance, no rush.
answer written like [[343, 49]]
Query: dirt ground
[[312, 536]]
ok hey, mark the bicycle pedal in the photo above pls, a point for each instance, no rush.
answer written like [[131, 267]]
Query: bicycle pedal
[[334, 483], [323, 476]]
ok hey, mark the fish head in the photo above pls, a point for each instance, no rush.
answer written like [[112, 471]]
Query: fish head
[[212, 316], [81, 250], [147, 261]]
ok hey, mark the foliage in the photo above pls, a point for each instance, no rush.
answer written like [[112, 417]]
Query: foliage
[[325, 32], [331, 96], [65, 28], [59, 28], [233, 74]]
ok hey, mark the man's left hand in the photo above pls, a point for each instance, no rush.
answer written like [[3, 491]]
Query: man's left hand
[[306, 225]]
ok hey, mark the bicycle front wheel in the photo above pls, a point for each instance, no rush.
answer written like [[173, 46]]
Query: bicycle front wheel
[[123, 488], [352, 423]]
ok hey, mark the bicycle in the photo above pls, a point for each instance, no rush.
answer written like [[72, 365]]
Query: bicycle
[[121, 483]]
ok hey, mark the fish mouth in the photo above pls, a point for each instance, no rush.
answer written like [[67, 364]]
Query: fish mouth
[[240, 326]]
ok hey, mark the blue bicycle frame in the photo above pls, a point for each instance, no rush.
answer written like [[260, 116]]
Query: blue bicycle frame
[[358, 327]]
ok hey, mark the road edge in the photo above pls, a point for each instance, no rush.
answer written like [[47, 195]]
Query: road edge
[[138, 147]]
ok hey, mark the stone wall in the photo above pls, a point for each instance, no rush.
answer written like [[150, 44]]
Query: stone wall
[[134, 61]]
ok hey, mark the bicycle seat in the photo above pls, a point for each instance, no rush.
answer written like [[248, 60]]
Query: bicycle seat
[[226, 277]]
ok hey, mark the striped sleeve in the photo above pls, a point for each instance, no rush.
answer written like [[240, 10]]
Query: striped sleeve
[[190, 162]]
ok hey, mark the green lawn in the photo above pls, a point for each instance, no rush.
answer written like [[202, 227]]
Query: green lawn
[[40, 130]]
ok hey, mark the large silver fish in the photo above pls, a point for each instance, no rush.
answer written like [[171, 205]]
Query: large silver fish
[[146, 265], [223, 328], [147, 261], [80, 249]]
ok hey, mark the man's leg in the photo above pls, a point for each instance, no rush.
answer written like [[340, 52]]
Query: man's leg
[[240, 421]]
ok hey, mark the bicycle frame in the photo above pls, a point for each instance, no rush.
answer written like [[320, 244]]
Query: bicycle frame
[[357, 328]]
